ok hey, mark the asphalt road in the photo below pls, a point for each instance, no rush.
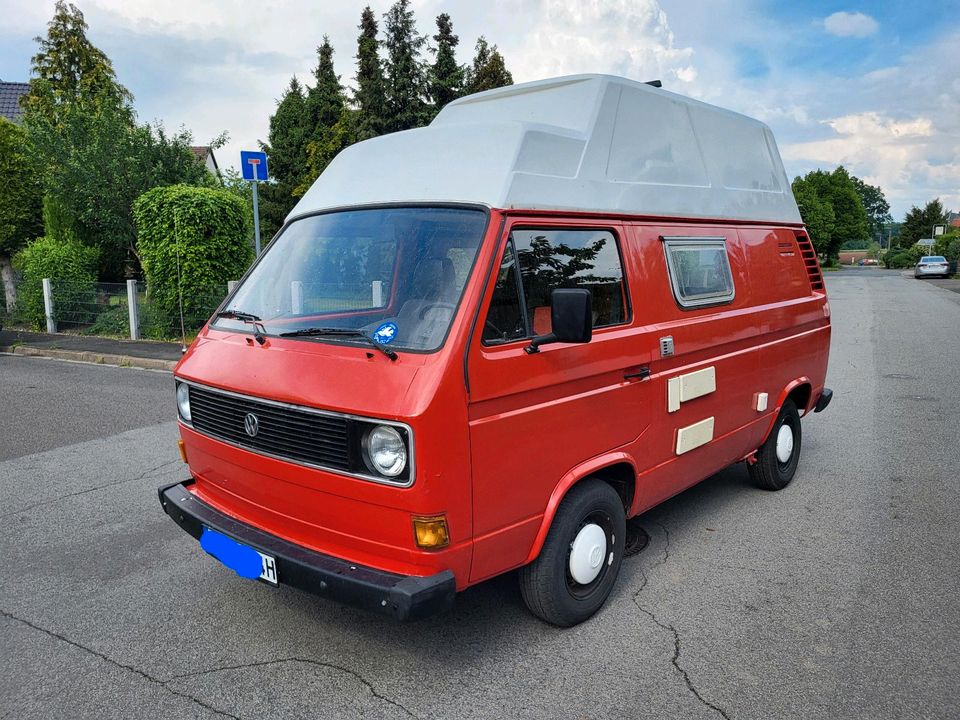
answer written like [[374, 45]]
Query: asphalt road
[[836, 598]]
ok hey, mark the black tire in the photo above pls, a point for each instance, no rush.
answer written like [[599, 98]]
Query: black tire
[[769, 472], [548, 588]]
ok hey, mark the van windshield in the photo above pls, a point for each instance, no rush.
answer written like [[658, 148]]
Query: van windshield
[[393, 274]]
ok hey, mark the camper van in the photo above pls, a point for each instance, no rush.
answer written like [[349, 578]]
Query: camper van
[[486, 344]]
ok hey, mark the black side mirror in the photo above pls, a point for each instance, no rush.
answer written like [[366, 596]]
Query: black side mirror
[[571, 315]]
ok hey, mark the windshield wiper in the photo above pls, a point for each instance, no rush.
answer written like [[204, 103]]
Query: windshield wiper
[[258, 330], [340, 332]]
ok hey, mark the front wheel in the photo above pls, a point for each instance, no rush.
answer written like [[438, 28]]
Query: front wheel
[[580, 559], [779, 456]]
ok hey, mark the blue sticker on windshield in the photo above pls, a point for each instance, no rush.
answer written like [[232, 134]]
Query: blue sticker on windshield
[[386, 333]]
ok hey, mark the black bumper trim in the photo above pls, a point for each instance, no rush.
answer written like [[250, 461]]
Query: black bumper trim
[[825, 397], [404, 597]]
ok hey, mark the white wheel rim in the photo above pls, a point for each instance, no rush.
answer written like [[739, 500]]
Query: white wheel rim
[[587, 553], [784, 443]]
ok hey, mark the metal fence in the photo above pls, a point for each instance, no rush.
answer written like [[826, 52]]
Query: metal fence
[[125, 310]]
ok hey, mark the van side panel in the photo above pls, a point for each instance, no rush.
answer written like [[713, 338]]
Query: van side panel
[[534, 417], [792, 318]]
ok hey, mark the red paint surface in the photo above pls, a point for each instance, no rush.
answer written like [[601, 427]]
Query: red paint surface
[[499, 459]]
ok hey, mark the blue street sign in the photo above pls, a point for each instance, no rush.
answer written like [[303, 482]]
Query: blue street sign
[[253, 165]]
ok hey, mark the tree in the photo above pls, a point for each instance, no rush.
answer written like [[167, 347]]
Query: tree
[[325, 104], [370, 96], [446, 77], [331, 141], [817, 215], [489, 69], [852, 222], [20, 203], [876, 205], [404, 71], [831, 209], [326, 99], [92, 158], [919, 223], [286, 147]]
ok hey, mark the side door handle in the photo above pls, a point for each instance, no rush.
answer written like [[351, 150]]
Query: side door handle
[[642, 374]]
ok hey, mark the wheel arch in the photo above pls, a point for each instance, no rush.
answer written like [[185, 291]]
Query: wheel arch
[[617, 469], [800, 391]]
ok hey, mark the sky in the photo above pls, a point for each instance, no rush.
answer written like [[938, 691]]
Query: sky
[[874, 86]]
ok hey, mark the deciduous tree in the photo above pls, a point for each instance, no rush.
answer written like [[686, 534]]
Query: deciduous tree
[[20, 202], [876, 205]]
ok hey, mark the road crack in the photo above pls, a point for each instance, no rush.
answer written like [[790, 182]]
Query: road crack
[[116, 663], [677, 645], [308, 661], [50, 501]]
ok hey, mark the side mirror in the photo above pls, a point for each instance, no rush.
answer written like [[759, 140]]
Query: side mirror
[[571, 316]]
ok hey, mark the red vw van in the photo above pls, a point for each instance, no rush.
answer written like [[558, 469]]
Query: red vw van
[[485, 344]]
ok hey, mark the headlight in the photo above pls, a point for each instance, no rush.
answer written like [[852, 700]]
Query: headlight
[[183, 401], [385, 450]]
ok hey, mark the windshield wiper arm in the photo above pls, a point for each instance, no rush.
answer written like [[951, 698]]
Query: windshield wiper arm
[[258, 331], [341, 332]]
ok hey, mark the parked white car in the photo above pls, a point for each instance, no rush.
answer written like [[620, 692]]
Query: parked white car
[[932, 265]]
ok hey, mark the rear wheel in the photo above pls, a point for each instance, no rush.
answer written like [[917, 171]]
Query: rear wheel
[[779, 456], [580, 559]]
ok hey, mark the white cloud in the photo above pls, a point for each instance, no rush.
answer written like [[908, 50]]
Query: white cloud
[[845, 24], [895, 154], [622, 37]]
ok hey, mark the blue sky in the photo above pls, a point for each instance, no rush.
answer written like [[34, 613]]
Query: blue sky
[[875, 86]]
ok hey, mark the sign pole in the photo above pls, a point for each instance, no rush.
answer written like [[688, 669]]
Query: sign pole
[[256, 217]]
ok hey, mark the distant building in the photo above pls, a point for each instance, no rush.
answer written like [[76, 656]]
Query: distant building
[[953, 219], [204, 153], [10, 94]]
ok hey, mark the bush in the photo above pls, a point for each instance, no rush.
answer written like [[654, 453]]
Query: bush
[[208, 229], [904, 257], [64, 261]]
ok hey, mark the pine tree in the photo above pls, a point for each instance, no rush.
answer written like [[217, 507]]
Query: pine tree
[[405, 77], [446, 76], [326, 99], [489, 69], [69, 70], [918, 224], [370, 96], [287, 151]]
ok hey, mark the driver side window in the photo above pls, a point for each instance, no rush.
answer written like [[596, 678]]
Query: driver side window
[[505, 321]]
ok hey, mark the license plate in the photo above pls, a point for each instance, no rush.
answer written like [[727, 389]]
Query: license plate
[[244, 560], [268, 573]]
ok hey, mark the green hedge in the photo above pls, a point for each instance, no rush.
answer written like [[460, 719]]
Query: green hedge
[[208, 229], [70, 265]]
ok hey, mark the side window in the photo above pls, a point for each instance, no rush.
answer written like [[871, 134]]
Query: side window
[[588, 259], [537, 262], [505, 321], [699, 271]]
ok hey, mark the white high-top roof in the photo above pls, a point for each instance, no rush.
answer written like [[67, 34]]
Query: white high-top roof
[[593, 143]]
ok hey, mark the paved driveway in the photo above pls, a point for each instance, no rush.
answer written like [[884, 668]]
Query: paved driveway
[[836, 598]]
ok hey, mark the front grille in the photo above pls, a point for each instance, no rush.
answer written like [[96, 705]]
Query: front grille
[[284, 432]]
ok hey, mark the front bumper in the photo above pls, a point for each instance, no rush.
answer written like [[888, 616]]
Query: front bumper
[[404, 597]]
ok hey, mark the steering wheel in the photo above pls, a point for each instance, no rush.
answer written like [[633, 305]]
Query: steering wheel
[[427, 308]]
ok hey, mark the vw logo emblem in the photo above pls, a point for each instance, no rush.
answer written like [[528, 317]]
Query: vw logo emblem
[[251, 424]]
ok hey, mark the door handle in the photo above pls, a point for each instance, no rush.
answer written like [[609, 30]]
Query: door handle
[[642, 374]]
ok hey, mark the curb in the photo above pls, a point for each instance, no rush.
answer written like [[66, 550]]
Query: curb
[[93, 358]]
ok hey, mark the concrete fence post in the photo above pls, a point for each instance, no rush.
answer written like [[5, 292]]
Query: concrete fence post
[[133, 309], [48, 305], [232, 285], [296, 297]]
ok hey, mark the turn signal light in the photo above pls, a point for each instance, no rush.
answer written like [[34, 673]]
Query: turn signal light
[[431, 532], [183, 450]]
